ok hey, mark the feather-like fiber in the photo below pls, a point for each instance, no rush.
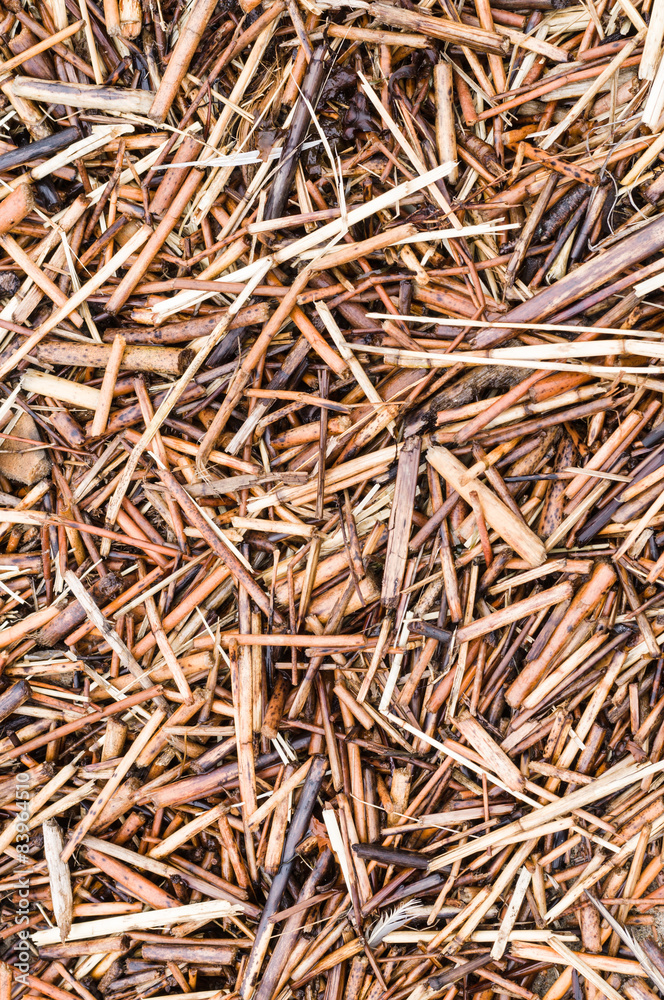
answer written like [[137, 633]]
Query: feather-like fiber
[[392, 921]]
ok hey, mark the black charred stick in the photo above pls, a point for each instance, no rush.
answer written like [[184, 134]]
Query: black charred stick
[[290, 153], [42, 148], [594, 211], [296, 832], [561, 240], [528, 232], [561, 212], [430, 631], [289, 932], [390, 856]]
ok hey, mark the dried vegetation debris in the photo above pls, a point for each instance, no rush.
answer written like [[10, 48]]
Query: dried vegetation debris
[[331, 509]]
